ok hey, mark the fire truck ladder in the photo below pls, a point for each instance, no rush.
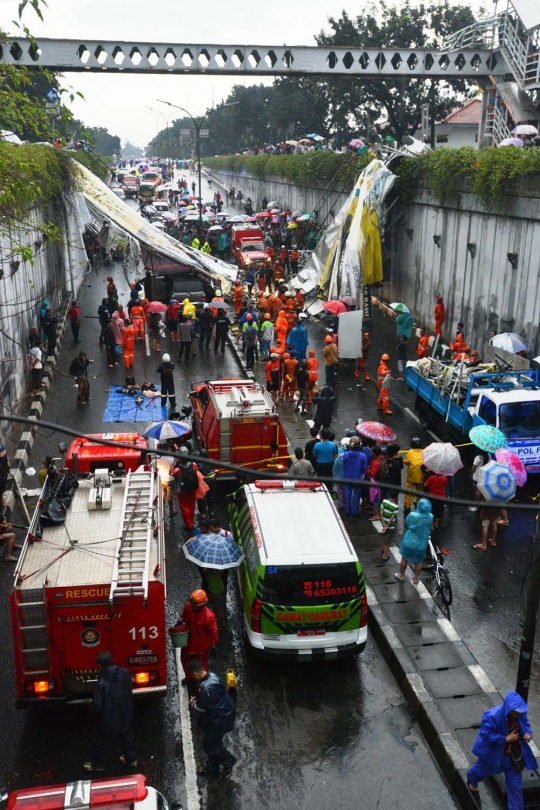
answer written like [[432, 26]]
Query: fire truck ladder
[[34, 642], [130, 575]]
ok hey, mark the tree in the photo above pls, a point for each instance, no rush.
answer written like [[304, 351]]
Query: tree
[[129, 151], [104, 142], [354, 103]]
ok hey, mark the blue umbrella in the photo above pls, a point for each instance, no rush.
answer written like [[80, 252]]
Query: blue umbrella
[[496, 481], [166, 430], [213, 551], [487, 438]]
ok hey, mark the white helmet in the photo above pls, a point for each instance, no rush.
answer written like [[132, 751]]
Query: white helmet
[[345, 442], [166, 358], [218, 292]]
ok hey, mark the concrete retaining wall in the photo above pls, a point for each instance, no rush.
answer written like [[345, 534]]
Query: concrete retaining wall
[[288, 196], [56, 274]]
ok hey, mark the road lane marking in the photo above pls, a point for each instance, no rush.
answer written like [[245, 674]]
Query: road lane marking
[[193, 801], [416, 419]]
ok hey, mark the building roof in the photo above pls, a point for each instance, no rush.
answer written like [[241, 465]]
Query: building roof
[[469, 113]]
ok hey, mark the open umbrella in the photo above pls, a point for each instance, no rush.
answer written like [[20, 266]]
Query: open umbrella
[[511, 142], [240, 218], [292, 226], [274, 210], [214, 551], [509, 341], [525, 129], [487, 438], [515, 464], [305, 141], [296, 214], [263, 215], [305, 217], [356, 143], [155, 306], [442, 458], [272, 204], [496, 481], [168, 429], [315, 137], [335, 307], [399, 307], [376, 431], [215, 228]]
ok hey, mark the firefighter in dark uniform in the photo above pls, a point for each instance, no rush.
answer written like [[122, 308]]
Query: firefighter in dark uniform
[[166, 372]]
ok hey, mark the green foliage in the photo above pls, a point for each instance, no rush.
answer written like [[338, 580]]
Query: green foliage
[[491, 173], [98, 164], [312, 169]]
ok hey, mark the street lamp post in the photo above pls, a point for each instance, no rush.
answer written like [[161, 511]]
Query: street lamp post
[[198, 124], [167, 122]]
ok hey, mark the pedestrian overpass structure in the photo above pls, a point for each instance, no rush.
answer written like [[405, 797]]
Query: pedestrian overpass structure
[[501, 54]]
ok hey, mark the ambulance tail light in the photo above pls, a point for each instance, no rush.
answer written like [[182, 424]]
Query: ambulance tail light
[[363, 618], [105, 793], [145, 678], [41, 687], [108, 792], [256, 610]]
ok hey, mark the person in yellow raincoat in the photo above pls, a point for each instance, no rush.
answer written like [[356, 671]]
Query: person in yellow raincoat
[[415, 474], [189, 310]]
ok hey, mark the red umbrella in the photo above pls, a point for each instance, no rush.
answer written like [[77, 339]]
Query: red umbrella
[[376, 431], [263, 214], [155, 306], [335, 307]]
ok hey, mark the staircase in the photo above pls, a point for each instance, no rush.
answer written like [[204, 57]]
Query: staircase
[[515, 64], [34, 642], [130, 574]]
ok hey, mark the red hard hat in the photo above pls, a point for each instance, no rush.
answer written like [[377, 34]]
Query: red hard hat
[[286, 356], [366, 334], [385, 357], [328, 339], [198, 597], [312, 353], [249, 317]]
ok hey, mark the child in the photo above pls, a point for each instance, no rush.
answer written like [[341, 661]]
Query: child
[[389, 511]]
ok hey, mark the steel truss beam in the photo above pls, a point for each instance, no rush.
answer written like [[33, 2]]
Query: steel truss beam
[[67, 55]]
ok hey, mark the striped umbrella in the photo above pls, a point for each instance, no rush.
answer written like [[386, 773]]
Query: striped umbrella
[[496, 481]]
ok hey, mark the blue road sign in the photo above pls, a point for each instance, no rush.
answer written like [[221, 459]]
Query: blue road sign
[[52, 95]]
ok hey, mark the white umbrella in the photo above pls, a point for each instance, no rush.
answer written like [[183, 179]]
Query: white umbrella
[[525, 129], [272, 204], [215, 228], [510, 342], [442, 458]]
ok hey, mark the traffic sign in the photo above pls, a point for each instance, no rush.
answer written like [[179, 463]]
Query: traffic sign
[[52, 95]]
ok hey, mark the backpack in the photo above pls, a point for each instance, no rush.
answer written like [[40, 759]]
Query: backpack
[[189, 481]]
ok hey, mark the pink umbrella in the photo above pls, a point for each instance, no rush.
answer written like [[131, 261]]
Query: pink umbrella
[[155, 306], [376, 431], [335, 307], [514, 462], [356, 143], [251, 219]]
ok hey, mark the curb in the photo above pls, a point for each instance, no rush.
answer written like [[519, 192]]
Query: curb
[[19, 462]]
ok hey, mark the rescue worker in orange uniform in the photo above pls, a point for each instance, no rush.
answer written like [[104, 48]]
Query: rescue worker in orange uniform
[[282, 327], [275, 306], [262, 303], [283, 256], [294, 261], [290, 315], [128, 344], [261, 280], [383, 372], [138, 317], [288, 385], [273, 374], [299, 301], [237, 298], [422, 348], [440, 315], [361, 365], [313, 372], [278, 273], [203, 634]]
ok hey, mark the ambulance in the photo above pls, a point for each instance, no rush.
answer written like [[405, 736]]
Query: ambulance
[[117, 793], [237, 422], [302, 585], [91, 578]]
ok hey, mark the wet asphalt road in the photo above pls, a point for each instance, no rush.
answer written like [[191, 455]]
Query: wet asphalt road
[[310, 736]]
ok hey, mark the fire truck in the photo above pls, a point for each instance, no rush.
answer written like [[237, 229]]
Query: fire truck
[[85, 455], [237, 421], [90, 578], [117, 793]]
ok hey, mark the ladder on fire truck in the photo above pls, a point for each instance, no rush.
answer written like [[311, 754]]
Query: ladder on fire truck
[[130, 574]]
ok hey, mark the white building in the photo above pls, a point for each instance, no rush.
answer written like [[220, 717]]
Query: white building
[[460, 128]]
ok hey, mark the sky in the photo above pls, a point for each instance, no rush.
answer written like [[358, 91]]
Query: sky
[[119, 102]]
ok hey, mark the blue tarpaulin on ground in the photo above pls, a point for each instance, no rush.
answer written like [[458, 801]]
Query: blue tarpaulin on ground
[[123, 408]]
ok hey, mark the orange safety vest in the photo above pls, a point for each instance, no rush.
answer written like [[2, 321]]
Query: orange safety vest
[[382, 371], [313, 369]]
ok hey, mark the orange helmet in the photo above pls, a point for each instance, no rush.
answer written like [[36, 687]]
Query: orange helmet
[[198, 597], [328, 339], [249, 317], [385, 357], [366, 334], [311, 352], [286, 356]]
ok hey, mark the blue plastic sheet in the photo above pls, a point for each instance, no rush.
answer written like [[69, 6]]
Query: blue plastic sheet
[[123, 408]]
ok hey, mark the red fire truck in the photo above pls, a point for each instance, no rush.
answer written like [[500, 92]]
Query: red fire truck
[[85, 455], [91, 577], [117, 793], [237, 421]]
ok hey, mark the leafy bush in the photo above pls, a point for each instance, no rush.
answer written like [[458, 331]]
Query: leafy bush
[[312, 169]]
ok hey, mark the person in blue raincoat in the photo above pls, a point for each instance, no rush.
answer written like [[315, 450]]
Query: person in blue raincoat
[[414, 544], [42, 313], [404, 324], [502, 746], [298, 340]]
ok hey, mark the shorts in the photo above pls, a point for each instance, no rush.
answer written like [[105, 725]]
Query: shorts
[[487, 522], [400, 366], [172, 325]]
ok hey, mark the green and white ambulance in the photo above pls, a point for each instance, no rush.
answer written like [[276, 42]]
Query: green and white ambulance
[[302, 584]]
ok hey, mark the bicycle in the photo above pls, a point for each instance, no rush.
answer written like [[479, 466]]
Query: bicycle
[[434, 563]]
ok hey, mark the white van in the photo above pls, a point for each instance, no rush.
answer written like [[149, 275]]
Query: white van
[[302, 584]]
